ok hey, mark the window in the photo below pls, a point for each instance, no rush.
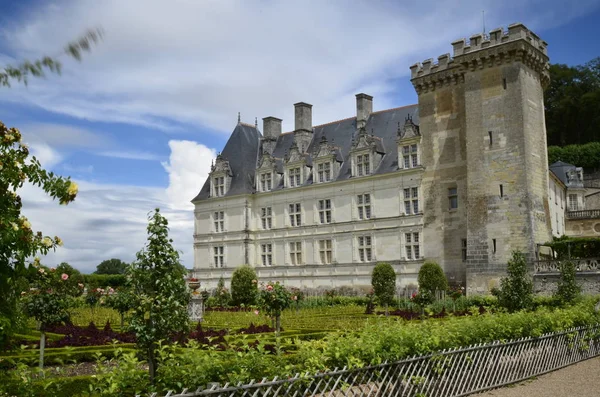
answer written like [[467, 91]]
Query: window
[[295, 215], [501, 191], [364, 248], [219, 221], [325, 251], [324, 172], [562, 198], [411, 200], [493, 245], [364, 206], [266, 218], [463, 243], [296, 253], [413, 250], [410, 156], [491, 135], [555, 196], [219, 256], [219, 186], [294, 177], [325, 211], [363, 167], [504, 83], [573, 206], [453, 198], [265, 182], [266, 254]]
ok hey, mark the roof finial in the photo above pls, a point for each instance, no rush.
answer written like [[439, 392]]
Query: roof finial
[[239, 117], [256, 122]]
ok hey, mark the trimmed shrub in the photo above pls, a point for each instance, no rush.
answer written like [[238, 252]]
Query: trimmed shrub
[[383, 281], [104, 280], [244, 288], [568, 289], [432, 278], [516, 290]]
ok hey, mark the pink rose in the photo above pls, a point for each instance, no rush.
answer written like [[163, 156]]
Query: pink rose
[[80, 285], [294, 298], [269, 287], [256, 312], [64, 276], [52, 269]]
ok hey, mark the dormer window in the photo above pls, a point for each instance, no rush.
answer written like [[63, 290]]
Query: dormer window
[[363, 165], [324, 172], [266, 182], [410, 156], [219, 186], [294, 177]]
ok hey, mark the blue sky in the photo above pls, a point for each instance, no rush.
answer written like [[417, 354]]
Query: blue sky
[[138, 122]]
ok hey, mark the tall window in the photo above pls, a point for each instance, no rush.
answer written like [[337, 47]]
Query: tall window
[[266, 217], [266, 254], [324, 172], [325, 211], [453, 198], [219, 186], [410, 156], [296, 253], [295, 215], [363, 167], [463, 243], [364, 206], [413, 249], [411, 200], [364, 248], [219, 256], [573, 205], [219, 221], [265, 182], [325, 251], [294, 177]]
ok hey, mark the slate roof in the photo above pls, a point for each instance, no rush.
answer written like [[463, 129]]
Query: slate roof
[[242, 148], [560, 169]]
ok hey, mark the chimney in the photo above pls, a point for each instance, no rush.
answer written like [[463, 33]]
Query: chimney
[[271, 127], [303, 118], [364, 108]]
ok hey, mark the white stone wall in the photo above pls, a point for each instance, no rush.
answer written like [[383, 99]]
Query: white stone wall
[[386, 227], [557, 203]]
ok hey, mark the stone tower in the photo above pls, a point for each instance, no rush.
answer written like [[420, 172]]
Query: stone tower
[[484, 149]]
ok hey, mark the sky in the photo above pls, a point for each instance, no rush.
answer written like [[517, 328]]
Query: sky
[[137, 123]]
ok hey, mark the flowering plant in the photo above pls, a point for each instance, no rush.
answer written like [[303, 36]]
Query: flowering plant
[[274, 298], [456, 292]]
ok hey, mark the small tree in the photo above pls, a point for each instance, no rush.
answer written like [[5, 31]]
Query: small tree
[[383, 281], [244, 286], [222, 295], [48, 300], [122, 301], [432, 278], [568, 289], [516, 290], [160, 294], [274, 299]]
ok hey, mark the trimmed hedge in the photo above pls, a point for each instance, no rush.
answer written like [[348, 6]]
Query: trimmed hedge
[[92, 281]]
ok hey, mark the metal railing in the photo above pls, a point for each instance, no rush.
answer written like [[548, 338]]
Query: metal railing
[[553, 265], [449, 373], [583, 214]]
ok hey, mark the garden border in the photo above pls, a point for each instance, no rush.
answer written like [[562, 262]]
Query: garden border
[[449, 373]]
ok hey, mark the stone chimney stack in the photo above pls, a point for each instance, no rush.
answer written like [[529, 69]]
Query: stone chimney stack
[[303, 119], [364, 108], [271, 127]]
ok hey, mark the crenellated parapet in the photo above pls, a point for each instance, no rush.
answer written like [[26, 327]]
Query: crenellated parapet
[[517, 44]]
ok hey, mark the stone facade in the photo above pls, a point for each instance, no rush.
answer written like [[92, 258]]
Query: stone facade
[[461, 178]]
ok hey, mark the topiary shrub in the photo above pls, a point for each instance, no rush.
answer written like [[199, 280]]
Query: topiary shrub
[[568, 289], [432, 278], [516, 290], [244, 288], [383, 281]]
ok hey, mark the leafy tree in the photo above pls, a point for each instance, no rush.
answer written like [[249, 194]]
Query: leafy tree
[[568, 290], [222, 295], [122, 301], [586, 156], [18, 242], [383, 281], [75, 280], [274, 298], [111, 266], [516, 290], [244, 286], [48, 300], [159, 291], [572, 100], [432, 278]]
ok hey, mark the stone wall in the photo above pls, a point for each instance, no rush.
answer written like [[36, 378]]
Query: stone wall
[[546, 284], [583, 227]]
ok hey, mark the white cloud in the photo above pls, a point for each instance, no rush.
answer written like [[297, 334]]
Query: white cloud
[[188, 168], [47, 156], [132, 155], [200, 62]]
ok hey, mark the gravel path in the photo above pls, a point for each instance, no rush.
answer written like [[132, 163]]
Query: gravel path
[[579, 380]]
